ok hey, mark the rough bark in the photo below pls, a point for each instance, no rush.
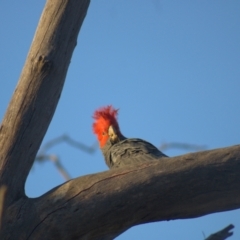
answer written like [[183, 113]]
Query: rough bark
[[37, 93], [103, 205], [98, 206]]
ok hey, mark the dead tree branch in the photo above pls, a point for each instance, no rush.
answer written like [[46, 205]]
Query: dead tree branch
[[222, 234], [57, 163], [183, 146], [38, 91], [3, 190], [44, 156], [86, 208], [186, 186], [67, 139]]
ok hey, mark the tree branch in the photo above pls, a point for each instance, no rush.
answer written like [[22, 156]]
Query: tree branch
[[86, 208], [57, 163], [186, 186], [183, 146], [44, 156], [67, 139], [222, 234], [38, 91], [3, 190]]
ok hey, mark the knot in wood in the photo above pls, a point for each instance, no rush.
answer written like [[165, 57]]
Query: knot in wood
[[44, 64]]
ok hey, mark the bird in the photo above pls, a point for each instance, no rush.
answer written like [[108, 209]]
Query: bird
[[119, 151]]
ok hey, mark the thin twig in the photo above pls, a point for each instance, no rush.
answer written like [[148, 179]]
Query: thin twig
[[43, 156], [222, 234], [184, 146], [65, 138], [56, 161]]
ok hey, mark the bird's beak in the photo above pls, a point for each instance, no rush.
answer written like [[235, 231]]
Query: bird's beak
[[112, 133]]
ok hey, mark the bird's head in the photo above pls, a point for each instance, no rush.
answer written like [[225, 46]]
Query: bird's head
[[106, 126]]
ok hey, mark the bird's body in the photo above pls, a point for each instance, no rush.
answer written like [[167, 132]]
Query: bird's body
[[130, 151], [118, 150]]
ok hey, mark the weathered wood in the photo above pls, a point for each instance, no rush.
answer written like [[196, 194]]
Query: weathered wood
[[98, 206], [102, 206], [38, 91]]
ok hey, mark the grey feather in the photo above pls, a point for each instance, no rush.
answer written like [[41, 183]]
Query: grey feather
[[130, 151]]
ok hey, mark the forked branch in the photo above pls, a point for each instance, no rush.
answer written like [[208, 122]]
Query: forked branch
[[186, 186], [38, 91]]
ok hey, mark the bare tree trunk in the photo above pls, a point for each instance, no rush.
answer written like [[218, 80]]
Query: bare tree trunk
[[38, 91], [98, 206], [103, 205]]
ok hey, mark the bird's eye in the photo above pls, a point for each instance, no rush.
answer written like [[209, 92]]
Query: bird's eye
[[103, 133]]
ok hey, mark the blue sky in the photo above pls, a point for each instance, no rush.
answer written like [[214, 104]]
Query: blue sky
[[171, 67]]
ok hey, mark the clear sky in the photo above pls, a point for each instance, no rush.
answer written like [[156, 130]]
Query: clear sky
[[173, 69]]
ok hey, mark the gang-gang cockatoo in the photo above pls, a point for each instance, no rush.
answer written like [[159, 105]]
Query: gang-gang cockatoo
[[118, 150]]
